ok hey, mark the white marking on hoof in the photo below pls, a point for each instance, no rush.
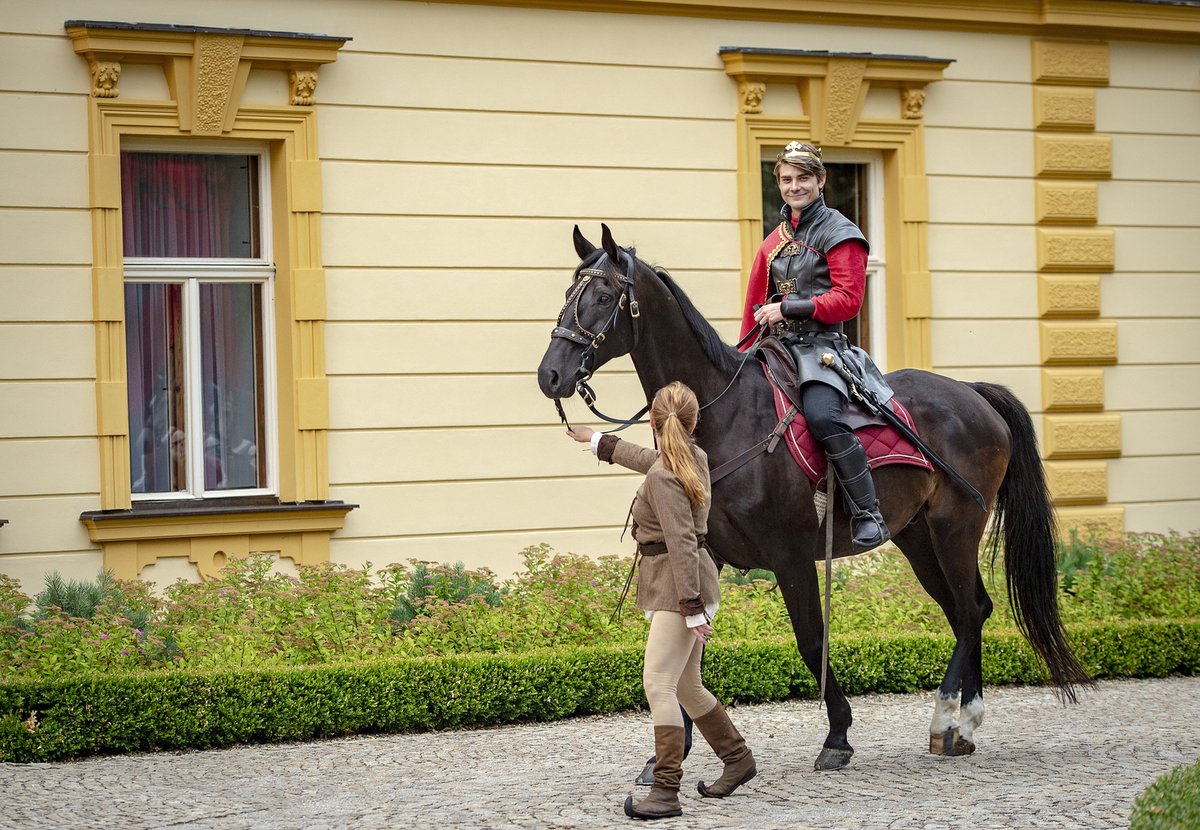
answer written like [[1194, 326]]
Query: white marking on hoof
[[945, 714], [972, 717]]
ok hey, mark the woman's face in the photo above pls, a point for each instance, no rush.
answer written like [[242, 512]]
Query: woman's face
[[798, 187]]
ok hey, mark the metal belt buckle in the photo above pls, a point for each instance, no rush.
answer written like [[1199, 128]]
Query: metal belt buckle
[[786, 286]]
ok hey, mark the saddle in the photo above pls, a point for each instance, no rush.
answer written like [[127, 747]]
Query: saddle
[[884, 445]]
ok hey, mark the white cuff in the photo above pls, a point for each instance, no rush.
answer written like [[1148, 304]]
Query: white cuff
[[695, 620], [596, 436]]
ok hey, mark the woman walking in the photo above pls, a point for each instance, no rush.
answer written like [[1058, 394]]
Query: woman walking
[[678, 590]]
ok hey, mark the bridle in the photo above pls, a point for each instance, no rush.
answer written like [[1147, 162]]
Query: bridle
[[591, 341]]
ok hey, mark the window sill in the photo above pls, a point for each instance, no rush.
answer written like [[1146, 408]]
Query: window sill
[[209, 532]]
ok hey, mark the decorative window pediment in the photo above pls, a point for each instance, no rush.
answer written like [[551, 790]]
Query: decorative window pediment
[[833, 85], [206, 68]]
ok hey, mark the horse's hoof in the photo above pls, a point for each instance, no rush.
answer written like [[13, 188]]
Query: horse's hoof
[[646, 778], [949, 743], [831, 759], [963, 746]]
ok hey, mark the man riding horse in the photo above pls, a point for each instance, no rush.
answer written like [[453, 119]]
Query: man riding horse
[[809, 277]]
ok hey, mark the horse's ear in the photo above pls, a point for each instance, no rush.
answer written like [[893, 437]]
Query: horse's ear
[[582, 246], [610, 247]]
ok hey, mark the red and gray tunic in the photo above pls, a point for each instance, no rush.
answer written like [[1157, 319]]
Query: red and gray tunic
[[819, 256]]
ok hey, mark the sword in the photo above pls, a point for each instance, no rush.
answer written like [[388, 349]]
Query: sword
[[866, 398]]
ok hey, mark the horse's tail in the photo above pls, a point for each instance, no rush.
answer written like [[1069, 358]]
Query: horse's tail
[[1024, 516]]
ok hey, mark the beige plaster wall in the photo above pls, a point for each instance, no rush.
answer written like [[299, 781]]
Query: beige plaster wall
[[1153, 204], [460, 144], [48, 451]]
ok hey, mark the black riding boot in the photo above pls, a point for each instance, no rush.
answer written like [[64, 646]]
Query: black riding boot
[[849, 460]]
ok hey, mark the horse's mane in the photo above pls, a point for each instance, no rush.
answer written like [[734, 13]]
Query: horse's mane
[[720, 354]]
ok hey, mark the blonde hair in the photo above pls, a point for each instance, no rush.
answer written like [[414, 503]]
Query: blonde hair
[[675, 412]]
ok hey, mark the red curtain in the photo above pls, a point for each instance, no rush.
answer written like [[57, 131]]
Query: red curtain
[[182, 205]]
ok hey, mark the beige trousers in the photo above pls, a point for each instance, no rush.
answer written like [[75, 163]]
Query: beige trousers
[[672, 671]]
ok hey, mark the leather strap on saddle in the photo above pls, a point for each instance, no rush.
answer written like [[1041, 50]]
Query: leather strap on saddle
[[781, 368]]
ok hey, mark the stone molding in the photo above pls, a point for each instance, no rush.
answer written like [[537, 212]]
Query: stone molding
[[1064, 108], [1070, 62], [1077, 482], [1081, 436], [1105, 521], [1065, 74], [1092, 249], [1066, 203], [1091, 342], [1072, 157], [1066, 295], [1073, 390]]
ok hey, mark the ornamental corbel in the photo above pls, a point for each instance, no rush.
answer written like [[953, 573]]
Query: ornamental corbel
[[751, 94], [302, 84], [105, 74], [912, 101]]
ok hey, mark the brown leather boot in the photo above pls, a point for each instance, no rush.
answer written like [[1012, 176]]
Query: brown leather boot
[[730, 746], [663, 799]]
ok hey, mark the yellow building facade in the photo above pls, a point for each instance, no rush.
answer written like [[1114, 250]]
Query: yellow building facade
[[1027, 171]]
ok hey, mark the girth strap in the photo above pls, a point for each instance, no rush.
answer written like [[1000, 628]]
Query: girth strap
[[766, 445]]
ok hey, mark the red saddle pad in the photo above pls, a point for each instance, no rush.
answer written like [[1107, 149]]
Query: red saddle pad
[[884, 445]]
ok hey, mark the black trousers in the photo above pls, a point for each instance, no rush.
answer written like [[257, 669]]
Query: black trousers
[[823, 411]]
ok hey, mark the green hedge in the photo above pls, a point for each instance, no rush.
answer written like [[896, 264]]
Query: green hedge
[[1170, 803], [112, 713]]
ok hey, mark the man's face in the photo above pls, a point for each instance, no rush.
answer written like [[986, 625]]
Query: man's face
[[798, 187]]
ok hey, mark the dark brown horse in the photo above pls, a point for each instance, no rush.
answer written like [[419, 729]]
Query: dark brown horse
[[762, 513]]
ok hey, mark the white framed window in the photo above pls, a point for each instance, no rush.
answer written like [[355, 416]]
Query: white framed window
[[854, 186], [199, 322]]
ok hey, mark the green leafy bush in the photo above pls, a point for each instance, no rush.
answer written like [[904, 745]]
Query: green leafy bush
[[253, 616], [428, 582], [1170, 803], [80, 626]]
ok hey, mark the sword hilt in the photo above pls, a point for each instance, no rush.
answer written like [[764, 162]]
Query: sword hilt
[[857, 391]]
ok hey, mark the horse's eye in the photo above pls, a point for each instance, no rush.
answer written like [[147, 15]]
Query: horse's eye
[[605, 299]]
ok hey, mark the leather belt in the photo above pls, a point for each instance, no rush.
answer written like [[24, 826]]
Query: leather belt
[[659, 548], [806, 327]]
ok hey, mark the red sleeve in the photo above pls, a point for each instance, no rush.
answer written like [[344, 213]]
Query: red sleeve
[[756, 286], [848, 272]]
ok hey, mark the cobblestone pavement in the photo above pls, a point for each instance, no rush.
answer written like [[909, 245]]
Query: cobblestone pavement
[[1039, 764]]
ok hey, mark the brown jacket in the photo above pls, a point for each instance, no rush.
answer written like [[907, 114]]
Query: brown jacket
[[685, 578]]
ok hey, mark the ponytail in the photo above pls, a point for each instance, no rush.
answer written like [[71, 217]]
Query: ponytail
[[675, 412]]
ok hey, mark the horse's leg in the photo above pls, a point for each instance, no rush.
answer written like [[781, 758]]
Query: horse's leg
[[962, 684], [917, 546], [972, 689], [798, 584], [955, 526]]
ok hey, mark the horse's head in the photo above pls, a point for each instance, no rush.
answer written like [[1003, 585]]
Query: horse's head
[[598, 322]]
